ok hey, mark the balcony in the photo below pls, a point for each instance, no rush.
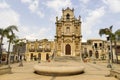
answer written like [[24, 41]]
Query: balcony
[[31, 50]]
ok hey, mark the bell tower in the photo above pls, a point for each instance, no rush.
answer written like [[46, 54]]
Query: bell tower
[[68, 34]]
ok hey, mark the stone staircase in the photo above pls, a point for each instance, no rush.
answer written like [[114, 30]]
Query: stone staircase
[[67, 58]]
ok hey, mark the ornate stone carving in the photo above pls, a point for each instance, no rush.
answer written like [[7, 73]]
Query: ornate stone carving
[[68, 41]]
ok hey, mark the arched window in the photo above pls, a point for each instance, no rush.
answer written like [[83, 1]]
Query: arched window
[[68, 16]]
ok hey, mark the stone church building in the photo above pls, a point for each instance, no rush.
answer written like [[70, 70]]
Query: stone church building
[[68, 34]]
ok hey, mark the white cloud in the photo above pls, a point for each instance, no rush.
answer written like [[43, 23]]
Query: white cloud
[[58, 4], [40, 14], [39, 33], [93, 16], [8, 17], [33, 6], [114, 5], [4, 5], [26, 1], [84, 1], [92, 19]]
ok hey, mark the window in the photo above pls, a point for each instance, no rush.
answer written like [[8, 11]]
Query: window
[[100, 44], [95, 44], [68, 16]]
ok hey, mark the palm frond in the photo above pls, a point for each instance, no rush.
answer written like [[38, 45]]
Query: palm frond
[[117, 32], [105, 31], [111, 27], [12, 27]]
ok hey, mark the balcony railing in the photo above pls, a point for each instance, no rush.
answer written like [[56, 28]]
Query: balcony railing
[[31, 50]]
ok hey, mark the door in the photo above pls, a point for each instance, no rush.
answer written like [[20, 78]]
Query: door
[[68, 49]]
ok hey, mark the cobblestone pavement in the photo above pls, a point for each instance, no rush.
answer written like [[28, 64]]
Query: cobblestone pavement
[[92, 72]]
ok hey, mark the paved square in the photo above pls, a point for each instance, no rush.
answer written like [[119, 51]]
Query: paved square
[[92, 72]]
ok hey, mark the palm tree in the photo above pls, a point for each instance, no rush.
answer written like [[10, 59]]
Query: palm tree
[[111, 35], [11, 36], [4, 33]]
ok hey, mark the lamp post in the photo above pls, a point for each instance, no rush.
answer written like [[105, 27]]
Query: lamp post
[[109, 53]]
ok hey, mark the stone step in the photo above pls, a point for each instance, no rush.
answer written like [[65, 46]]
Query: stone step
[[67, 58]]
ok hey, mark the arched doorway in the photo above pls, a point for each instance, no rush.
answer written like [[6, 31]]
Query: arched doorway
[[39, 56], [68, 49], [47, 56]]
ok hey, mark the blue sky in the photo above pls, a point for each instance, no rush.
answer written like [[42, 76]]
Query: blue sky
[[36, 18]]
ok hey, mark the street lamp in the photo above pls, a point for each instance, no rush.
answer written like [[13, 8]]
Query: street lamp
[[109, 53]]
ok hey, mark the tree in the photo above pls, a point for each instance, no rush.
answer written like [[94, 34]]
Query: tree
[[3, 33], [111, 35], [11, 36]]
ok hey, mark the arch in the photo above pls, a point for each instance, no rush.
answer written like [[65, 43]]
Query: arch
[[68, 16], [39, 56], [68, 49], [47, 56]]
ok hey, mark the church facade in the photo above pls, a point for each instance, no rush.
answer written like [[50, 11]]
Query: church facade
[[68, 34]]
